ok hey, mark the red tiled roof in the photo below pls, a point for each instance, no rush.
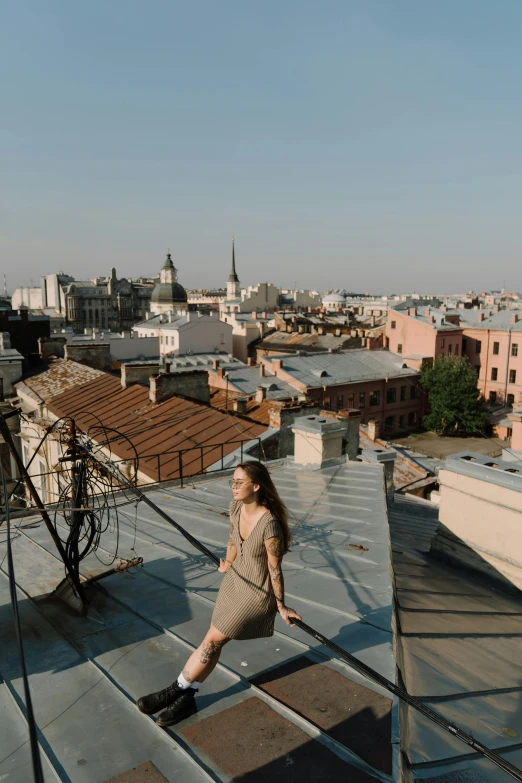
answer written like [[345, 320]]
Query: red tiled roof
[[173, 425]]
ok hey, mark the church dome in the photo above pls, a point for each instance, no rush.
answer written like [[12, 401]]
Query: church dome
[[168, 290]]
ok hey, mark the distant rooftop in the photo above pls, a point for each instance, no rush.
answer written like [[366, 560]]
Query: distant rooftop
[[330, 369]]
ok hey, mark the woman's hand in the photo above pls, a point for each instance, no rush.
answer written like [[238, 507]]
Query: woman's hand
[[287, 614], [224, 565]]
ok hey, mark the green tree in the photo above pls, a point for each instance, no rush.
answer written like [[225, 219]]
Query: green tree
[[455, 404]]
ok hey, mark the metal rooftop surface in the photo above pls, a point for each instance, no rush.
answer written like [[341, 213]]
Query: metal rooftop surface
[[459, 649], [344, 367], [246, 379], [86, 673]]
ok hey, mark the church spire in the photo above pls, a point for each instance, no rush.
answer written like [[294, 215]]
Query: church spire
[[233, 278]]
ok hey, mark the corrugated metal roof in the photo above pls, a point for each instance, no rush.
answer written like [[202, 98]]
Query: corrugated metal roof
[[246, 379], [173, 425], [62, 374], [351, 366], [85, 673]]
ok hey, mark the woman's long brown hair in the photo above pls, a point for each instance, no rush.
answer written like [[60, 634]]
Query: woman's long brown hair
[[268, 495]]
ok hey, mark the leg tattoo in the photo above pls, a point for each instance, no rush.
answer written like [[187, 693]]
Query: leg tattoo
[[209, 651], [186, 674]]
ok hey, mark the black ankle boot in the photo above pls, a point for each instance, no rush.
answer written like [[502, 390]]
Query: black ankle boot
[[155, 702], [183, 707]]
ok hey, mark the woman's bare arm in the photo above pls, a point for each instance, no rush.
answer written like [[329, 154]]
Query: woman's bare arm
[[275, 552], [231, 554]]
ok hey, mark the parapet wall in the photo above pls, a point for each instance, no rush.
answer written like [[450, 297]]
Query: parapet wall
[[480, 516]]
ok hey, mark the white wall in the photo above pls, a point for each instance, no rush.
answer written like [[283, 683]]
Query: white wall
[[202, 334], [27, 297]]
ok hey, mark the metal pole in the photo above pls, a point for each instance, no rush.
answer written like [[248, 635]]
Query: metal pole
[[6, 434]]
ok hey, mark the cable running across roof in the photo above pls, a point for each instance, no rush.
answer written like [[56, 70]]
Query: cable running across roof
[[33, 738], [358, 665]]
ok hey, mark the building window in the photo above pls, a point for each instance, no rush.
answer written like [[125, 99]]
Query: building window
[[511, 399], [457, 349], [492, 397], [512, 376], [412, 418], [399, 348], [413, 393], [389, 423], [222, 339], [478, 346], [375, 397], [496, 346], [391, 395], [514, 349], [464, 344], [340, 402], [394, 324], [450, 348], [494, 373], [362, 399], [443, 343], [403, 393], [401, 420]]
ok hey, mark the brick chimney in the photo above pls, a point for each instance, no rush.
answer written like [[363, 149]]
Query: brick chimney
[[91, 354], [190, 383], [137, 372], [412, 311], [251, 361], [262, 370], [481, 317], [215, 363], [514, 318], [260, 393], [277, 364], [240, 405]]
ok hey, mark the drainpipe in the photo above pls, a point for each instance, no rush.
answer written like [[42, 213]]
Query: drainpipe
[[507, 365]]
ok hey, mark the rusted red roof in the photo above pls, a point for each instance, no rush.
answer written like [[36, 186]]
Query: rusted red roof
[[257, 411], [154, 429]]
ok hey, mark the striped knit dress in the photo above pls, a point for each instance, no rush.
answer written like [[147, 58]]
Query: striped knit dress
[[246, 606]]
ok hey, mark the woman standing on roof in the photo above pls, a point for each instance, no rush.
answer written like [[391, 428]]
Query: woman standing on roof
[[251, 593]]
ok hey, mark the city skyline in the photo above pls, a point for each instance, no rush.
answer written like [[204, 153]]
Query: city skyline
[[372, 148]]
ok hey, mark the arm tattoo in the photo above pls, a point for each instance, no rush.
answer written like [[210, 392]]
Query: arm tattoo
[[275, 547], [278, 585], [209, 651]]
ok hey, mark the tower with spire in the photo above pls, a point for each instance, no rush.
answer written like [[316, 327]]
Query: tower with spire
[[233, 285]]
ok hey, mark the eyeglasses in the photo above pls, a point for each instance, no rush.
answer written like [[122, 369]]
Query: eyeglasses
[[238, 483]]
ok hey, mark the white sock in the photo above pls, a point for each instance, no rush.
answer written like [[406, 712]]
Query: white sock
[[184, 683]]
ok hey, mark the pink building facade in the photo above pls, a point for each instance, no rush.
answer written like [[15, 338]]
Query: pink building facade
[[496, 354], [423, 335], [491, 340]]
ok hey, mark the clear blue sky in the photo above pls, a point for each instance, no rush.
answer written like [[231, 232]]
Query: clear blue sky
[[373, 145]]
